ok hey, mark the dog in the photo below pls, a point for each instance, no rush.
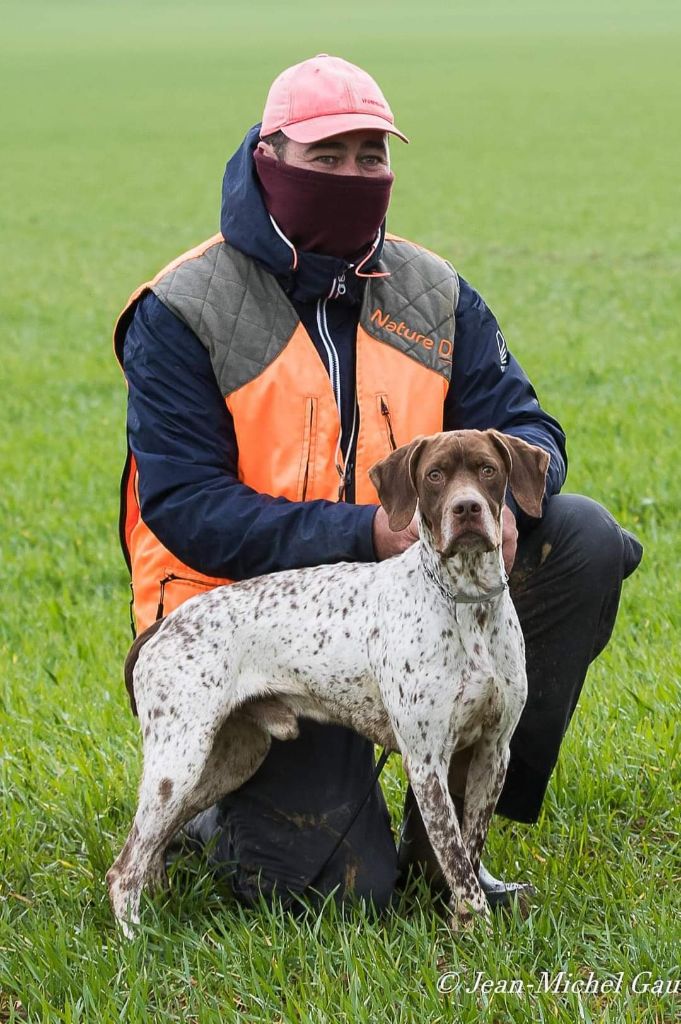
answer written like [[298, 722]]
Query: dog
[[421, 653]]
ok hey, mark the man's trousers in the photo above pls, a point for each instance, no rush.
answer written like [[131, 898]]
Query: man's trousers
[[276, 830]]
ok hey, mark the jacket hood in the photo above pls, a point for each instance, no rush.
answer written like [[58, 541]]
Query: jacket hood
[[245, 224]]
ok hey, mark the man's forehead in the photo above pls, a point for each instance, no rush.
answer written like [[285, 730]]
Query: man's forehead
[[363, 138]]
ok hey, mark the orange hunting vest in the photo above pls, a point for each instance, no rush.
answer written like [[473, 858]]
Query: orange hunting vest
[[278, 391]]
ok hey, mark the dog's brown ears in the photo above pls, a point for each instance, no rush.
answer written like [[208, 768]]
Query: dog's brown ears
[[528, 465], [393, 478]]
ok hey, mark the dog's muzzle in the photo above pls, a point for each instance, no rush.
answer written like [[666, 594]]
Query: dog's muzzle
[[469, 527]]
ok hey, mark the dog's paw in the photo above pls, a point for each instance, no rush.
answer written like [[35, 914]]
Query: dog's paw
[[125, 901], [464, 921]]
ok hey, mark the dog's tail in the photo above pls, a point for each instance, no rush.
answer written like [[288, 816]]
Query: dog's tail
[[131, 660]]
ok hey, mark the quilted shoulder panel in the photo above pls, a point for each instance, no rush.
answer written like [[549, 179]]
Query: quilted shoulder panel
[[413, 309], [235, 308]]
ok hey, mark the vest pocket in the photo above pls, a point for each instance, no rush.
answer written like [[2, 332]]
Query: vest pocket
[[384, 411], [173, 590], [306, 467]]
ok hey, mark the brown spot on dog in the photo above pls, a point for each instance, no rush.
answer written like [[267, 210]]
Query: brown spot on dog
[[165, 789], [481, 617]]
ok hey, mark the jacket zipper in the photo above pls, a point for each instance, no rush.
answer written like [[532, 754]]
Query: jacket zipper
[[331, 351], [385, 412], [334, 373], [338, 286]]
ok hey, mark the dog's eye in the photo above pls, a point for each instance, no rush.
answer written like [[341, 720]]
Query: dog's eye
[[488, 470], [436, 476]]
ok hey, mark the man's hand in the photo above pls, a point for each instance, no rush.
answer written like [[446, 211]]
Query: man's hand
[[509, 538], [387, 543]]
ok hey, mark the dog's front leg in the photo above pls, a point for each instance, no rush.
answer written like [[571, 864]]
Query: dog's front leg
[[431, 789]]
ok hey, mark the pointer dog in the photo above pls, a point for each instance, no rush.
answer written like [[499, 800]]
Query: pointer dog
[[421, 653]]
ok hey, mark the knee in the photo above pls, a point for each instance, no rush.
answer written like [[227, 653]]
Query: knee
[[377, 891], [586, 531]]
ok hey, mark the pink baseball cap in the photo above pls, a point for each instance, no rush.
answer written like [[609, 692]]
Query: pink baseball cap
[[324, 96]]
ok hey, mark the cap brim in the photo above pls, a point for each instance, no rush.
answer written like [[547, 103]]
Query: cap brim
[[316, 128]]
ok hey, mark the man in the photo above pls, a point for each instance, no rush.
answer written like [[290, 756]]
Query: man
[[268, 369]]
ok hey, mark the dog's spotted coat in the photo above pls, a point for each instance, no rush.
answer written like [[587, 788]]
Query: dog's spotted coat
[[421, 653]]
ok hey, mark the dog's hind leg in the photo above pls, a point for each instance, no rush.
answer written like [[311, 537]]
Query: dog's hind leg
[[486, 775], [181, 776]]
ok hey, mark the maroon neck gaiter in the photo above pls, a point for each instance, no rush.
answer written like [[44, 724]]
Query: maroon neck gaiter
[[332, 214]]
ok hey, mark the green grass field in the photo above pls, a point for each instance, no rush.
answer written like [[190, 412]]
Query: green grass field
[[545, 164]]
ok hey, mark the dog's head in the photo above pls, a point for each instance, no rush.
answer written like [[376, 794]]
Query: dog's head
[[459, 479]]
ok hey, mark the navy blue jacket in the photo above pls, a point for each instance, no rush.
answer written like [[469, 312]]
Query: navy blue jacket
[[183, 438]]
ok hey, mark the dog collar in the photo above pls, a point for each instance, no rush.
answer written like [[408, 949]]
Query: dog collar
[[456, 598]]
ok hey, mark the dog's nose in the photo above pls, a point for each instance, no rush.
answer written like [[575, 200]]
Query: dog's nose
[[467, 509]]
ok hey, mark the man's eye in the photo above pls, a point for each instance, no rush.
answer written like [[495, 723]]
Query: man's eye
[[436, 476], [488, 470]]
